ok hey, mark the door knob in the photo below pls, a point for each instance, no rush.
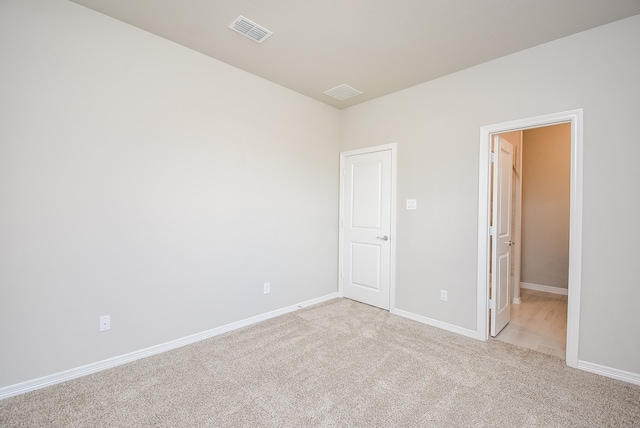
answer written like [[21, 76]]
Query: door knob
[[511, 243], [383, 238]]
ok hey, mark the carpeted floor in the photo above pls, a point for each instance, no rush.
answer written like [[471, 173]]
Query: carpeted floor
[[337, 364]]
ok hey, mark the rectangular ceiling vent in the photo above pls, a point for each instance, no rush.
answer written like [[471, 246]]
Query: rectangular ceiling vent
[[342, 92], [250, 29]]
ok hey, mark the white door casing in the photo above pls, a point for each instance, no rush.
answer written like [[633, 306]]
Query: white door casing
[[501, 235], [367, 217], [575, 229]]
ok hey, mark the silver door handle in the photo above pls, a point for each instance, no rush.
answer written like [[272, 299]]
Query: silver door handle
[[383, 238], [511, 243]]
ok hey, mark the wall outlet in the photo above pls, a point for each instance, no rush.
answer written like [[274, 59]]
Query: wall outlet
[[105, 322], [443, 295], [267, 287]]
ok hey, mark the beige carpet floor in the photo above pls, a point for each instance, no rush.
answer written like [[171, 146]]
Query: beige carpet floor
[[337, 364]]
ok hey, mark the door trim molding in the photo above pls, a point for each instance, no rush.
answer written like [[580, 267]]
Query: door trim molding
[[393, 147], [575, 229]]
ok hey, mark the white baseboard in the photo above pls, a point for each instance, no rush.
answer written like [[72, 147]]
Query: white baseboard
[[20, 388], [622, 375], [435, 323], [545, 288], [617, 374]]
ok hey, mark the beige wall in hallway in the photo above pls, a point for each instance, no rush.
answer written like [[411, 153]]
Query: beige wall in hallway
[[545, 205]]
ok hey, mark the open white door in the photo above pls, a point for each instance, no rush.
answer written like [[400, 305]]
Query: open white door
[[501, 234], [366, 245]]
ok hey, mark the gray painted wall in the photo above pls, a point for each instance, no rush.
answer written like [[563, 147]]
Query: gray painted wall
[[146, 181], [436, 126]]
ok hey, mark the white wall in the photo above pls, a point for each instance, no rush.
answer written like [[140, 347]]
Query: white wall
[[146, 181], [436, 126]]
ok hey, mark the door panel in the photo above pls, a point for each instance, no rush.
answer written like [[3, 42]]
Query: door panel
[[364, 257], [501, 240], [366, 193], [367, 226]]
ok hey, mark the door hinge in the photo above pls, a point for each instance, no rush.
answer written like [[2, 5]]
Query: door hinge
[[493, 156], [492, 304], [492, 230]]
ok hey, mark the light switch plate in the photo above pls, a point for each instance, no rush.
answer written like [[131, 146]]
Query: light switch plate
[[412, 204]]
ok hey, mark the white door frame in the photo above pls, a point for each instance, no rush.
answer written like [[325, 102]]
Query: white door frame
[[575, 229], [393, 147]]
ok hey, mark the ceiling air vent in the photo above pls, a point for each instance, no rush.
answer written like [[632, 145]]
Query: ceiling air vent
[[250, 29], [342, 92]]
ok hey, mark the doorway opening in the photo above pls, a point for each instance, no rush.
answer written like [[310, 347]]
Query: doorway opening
[[537, 280], [485, 213]]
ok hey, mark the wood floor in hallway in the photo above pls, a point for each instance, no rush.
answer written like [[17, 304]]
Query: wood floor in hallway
[[539, 322]]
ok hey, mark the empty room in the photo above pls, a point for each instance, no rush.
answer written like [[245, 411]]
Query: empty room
[[249, 213]]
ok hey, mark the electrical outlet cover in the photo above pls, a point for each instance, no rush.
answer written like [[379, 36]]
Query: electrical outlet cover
[[105, 323]]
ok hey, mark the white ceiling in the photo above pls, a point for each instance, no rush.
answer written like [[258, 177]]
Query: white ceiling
[[375, 46]]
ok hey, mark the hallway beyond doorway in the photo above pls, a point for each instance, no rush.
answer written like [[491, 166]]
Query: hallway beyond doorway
[[539, 322]]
